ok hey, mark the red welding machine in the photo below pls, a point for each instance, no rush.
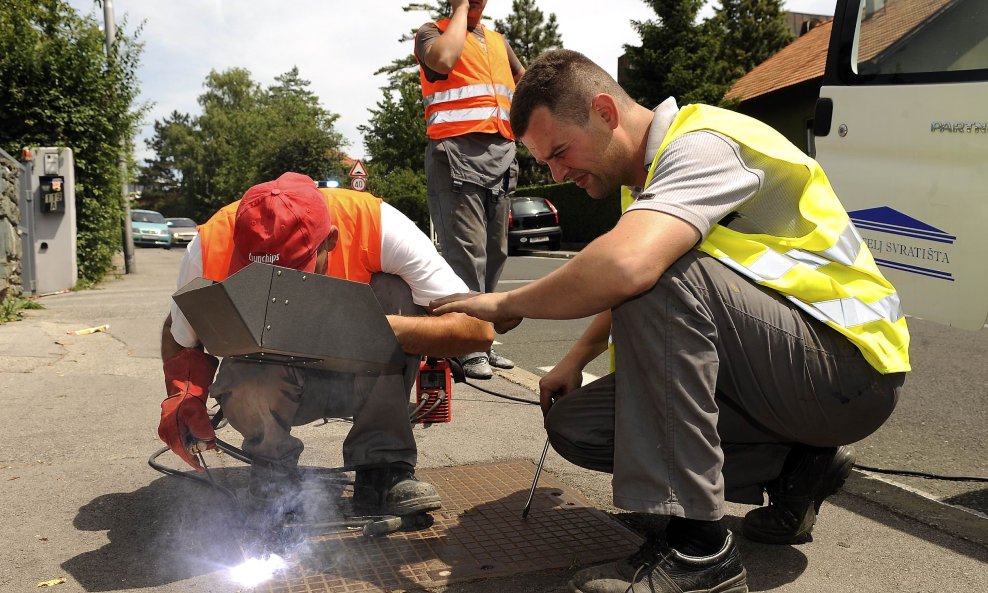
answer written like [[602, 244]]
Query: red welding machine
[[433, 391]]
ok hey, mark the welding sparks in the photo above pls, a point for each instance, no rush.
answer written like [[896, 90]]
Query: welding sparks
[[255, 571]]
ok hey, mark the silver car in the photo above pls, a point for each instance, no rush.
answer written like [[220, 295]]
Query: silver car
[[183, 230]]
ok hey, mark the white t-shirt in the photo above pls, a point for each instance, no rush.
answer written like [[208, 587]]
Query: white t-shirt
[[405, 252]]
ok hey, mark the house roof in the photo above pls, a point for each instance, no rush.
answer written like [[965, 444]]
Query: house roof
[[802, 60], [893, 22], [805, 58]]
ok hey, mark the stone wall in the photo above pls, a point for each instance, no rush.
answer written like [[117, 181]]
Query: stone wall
[[10, 217]]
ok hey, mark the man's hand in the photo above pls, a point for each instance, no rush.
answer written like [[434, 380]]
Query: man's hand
[[489, 307], [455, 5], [185, 425], [562, 379]]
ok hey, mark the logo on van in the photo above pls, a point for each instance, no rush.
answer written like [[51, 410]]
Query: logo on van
[[908, 252], [959, 127]]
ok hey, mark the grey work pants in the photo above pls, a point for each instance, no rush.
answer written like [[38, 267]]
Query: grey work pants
[[471, 222], [263, 401], [717, 378]]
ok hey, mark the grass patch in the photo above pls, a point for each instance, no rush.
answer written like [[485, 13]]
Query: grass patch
[[11, 308]]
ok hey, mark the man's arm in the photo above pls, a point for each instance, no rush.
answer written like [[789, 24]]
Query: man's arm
[[567, 375], [452, 334], [620, 264], [443, 53], [169, 347]]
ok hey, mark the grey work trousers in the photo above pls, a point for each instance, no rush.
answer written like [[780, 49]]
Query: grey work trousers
[[717, 379], [471, 222], [263, 401]]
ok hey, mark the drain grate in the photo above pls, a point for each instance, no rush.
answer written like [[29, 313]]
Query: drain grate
[[478, 534]]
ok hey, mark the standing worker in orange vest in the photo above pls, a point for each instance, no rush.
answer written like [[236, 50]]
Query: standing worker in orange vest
[[468, 75], [342, 234]]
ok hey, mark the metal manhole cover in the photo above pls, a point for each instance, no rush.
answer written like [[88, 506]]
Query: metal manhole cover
[[479, 533]]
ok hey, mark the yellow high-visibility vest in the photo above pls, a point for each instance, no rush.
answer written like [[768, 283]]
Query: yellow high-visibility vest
[[829, 272]]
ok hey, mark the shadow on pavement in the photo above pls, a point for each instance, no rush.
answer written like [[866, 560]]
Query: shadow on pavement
[[167, 531]]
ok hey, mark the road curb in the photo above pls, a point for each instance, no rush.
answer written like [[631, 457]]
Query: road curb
[[912, 504], [897, 498]]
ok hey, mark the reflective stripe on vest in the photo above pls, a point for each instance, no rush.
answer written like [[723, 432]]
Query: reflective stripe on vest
[[468, 92], [829, 273], [475, 96], [357, 254]]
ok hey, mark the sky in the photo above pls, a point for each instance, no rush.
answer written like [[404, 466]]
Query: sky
[[337, 45]]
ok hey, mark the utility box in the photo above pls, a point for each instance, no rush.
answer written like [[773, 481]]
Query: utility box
[[48, 214]]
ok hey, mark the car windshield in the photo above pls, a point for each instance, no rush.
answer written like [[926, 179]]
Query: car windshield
[[181, 222], [529, 206], [147, 216]]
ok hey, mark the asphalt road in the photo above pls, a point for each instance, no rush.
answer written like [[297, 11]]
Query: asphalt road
[[940, 425]]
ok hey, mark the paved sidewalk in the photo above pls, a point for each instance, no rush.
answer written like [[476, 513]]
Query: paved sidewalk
[[78, 422]]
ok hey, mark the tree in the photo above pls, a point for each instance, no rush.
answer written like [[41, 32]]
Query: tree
[[699, 61], [528, 32], [750, 32], [677, 56], [244, 136], [61, 89]]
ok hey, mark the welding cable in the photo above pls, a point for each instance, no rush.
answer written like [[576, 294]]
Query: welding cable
[[152, 461], [915, 474], [502, 395], [417, 408], [440, 397]]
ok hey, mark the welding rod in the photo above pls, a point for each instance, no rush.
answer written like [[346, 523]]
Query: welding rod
[[535, 481]]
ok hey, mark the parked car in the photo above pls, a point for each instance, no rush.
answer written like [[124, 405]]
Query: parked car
[[183, 230], [149, 228], [533, 222]]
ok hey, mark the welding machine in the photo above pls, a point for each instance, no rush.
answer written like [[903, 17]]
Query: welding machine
[[433, 390]]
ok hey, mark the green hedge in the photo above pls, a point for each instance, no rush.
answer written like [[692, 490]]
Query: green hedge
[[582, 218]]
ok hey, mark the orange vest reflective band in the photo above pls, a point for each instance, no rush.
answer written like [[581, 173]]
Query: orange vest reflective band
[[356, 256], [476, 94]]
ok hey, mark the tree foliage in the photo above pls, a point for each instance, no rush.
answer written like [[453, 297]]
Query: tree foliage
[[59, 88], [698, 61], [749, 32], [245, 135], [528, 31]]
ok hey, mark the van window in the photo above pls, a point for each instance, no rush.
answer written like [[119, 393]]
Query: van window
[[918, 41]]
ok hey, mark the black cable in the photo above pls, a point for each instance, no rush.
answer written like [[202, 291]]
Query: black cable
[[925, 475], [503, 395]]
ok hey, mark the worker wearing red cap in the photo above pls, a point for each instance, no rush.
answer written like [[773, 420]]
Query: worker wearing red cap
[[344, 234]]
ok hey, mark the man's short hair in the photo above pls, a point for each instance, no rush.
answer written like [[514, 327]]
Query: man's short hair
[[565, 82]]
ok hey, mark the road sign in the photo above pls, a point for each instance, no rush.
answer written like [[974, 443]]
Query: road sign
[[358, 183], [358, 170]]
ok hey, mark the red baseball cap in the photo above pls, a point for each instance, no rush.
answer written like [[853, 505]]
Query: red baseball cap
[[281, 222]]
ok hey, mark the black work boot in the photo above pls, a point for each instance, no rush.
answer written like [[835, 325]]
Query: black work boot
[[393, 490], [794, 498], [658, 568], [274, 495]]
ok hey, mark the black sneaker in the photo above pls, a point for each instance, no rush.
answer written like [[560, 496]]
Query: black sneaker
[[794, 498], [657, 568], [393, 490]]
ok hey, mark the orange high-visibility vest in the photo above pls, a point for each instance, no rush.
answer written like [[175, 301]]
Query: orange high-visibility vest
[[356, 256], [476, 94]]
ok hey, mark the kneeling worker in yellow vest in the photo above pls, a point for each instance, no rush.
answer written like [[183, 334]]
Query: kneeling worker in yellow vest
[[343, 234], [754, 335]]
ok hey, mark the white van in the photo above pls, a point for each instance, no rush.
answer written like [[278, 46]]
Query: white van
[[901, 129]]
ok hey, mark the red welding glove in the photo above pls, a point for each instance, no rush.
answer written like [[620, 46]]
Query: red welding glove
[[184, 421]]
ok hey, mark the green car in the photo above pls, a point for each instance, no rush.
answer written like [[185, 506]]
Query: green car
[[149, 228]]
